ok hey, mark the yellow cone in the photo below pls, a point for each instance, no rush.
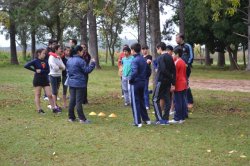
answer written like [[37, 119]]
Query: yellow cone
[[112, 115], [101, 114], [92, 113]]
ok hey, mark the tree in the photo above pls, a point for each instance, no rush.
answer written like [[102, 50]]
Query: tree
[[142, 22], [93, 46]]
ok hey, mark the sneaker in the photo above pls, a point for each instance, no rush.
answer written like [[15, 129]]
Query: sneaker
[[162, 122], [139, 125], [46, 98], [57, 98], [85, 121], [181, 121], [126, 104], [147, 108], [49, 106], [176, 121], [148, 122], [41, 111], [122, 96], [71, 120], [171, 113], [56, 110]]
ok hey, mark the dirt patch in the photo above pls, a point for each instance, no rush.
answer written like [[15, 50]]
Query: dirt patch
[[220, 84]]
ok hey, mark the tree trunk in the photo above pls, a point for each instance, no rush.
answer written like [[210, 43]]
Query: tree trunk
[[233, 64], [83, 29], [181, 16], [142, 22], [221, 59], [154, 28], [23, 43], [248, 54], [33, 43], [207, 57], [12, 32], [107, 50], [93, 46], [244, 56], [59, 30]]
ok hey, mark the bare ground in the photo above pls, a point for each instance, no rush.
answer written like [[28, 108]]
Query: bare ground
[[220, 84]]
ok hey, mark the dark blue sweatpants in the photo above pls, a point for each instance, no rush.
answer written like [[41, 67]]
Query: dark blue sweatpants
[[180, 104], [137, 102]]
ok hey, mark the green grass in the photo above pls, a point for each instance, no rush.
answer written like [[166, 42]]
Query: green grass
[[219, 122]]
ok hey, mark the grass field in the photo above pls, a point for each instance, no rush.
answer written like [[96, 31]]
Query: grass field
[[217, 132]]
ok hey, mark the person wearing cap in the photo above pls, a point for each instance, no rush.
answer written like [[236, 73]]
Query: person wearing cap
[[126, 72], [148, 59]]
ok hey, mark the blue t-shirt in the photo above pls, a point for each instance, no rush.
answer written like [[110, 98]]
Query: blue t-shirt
[[126, 65]]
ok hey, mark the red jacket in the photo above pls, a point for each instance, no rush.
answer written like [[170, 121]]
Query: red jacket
[[181, 76], [120, 59]]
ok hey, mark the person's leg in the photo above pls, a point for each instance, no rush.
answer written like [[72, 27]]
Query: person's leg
[[184, 110], [37, 97], [178, 106], [47, 90], [156, 102], [79, 99], [64, 92], [125, 90], [143, 110], [146, 94], [166, 92], [135, 104], [72, 103], [53, 83]]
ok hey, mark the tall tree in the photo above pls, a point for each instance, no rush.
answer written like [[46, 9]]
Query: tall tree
[[142, 22], [154, 26], [93, 45]]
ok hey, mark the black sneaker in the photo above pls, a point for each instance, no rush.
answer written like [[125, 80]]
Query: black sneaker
[[41, 111], [56, 110]]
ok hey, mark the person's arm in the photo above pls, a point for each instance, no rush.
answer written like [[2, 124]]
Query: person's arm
[[61, 64], [87, 68], [134, 71], [191, 54], [30, 65], [53, 64]]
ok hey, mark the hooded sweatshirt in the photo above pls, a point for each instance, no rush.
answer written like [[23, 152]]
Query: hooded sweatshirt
[[55, 64]]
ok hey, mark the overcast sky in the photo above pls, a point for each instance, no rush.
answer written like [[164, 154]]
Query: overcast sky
[[128, 32]]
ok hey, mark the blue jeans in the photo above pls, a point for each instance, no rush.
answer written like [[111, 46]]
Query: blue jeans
[[180, 104], [76, 98]]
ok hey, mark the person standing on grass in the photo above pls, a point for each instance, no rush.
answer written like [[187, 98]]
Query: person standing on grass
[[51, 44], [180, 88], [119, 64], [137, 81], [148, 59], [65, 57], [188, 57], [126, 72], [41, 81], [165, 82], [87, 58], [56, 66], [77, 70]]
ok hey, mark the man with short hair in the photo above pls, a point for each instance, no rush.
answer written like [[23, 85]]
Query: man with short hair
[[137, 82], [72, 45], [188, 57], [165, 81]]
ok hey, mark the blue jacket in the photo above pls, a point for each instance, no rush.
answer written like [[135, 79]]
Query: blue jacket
[[140, 69], [77, 70]]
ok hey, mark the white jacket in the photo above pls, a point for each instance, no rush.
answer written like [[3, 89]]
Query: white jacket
[[56, 66]]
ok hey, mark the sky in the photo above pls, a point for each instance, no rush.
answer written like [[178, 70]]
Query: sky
[[127, 31]]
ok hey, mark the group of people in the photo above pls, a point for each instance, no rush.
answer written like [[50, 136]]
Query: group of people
[[171, 92], [70, 66]]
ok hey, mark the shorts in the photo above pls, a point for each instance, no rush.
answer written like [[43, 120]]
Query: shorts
[[41, 80], [55, 84]]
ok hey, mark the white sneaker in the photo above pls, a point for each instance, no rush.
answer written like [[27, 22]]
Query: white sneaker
[[46, 98], [181, 121], [122, 96], [58, 98], [139, 125], [147, 108], [174, 121], [49, 106], [171, 113], [148, 122]]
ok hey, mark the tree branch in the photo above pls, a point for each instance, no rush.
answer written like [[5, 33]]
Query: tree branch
[[245, 13], [240, 34]]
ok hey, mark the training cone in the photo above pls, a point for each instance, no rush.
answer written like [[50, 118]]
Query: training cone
[[92, 113], [101, 114], [112, 115]]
